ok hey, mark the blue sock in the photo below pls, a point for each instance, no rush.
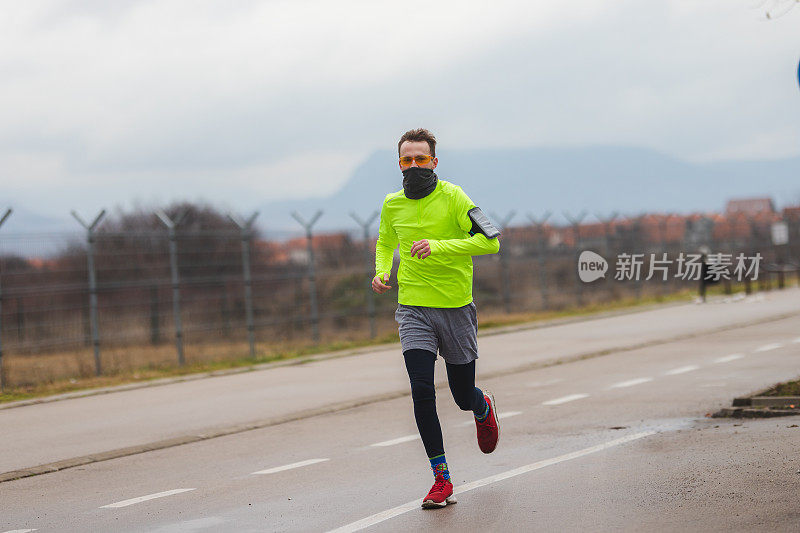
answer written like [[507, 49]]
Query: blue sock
[[439, 466], [482, 417]]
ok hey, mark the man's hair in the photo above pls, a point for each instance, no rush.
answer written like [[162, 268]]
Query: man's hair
[[417, 135]]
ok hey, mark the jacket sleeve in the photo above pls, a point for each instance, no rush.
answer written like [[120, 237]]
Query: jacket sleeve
[[387, 242], [476, 244]]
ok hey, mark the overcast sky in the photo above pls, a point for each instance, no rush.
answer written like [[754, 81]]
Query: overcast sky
[[110, 103]]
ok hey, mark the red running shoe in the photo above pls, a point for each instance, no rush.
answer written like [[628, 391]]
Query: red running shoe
[[489, 429], [440, 494]]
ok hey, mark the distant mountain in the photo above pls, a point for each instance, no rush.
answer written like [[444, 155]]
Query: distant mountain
[[600, 180], [534, 180], [30, 234], [24, 220]]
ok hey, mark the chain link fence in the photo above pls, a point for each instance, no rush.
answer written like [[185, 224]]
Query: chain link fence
[[120, 300]]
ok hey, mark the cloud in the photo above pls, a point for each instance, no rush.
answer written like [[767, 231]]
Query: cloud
[[232, 100]]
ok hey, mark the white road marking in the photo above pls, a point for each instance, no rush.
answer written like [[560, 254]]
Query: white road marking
[[289, 467], [768, 347], [682, 370], [630, 383], [401, 509], [565, 399], [728, 358], [796, 341], [20, 530], [125, 503], [397, 440]]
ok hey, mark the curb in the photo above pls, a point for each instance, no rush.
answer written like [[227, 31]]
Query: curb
[[767, 401], [308, 413], [758, 406], [743, 412]]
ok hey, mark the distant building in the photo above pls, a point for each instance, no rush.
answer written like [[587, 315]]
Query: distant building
[[745, 220], [749, 206], [330, 248], [791, 213]]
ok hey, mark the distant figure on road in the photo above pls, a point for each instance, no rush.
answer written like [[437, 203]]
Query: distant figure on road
[[438, 229], [706, 278]]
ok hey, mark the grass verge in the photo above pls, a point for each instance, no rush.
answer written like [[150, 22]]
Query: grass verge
[[153, 371], [789, 388]]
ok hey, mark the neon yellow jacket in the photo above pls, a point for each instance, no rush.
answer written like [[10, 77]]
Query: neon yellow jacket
[[443, 279]]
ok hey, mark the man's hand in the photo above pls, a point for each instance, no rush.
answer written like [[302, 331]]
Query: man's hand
[[421, 248], [379, 285]]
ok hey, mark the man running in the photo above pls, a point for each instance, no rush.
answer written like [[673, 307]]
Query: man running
[[438, 229]]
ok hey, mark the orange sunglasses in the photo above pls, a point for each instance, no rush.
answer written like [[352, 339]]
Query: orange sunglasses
[[420, 159]]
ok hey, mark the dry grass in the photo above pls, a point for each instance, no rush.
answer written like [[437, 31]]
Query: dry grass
[[36, 375], [55, 373], [790, 388]]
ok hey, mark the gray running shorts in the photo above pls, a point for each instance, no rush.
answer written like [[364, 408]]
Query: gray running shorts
[[452, 332]]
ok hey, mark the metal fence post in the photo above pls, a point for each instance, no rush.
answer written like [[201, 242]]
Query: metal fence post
[[503, 222], [792, 248], [246, 227], [312, 283], [638, 245], [662, 237], [365, 224], [576, 234], [607, 227], [606, 222], [176, 287], [539, 224], [92, 285], [2, 379]]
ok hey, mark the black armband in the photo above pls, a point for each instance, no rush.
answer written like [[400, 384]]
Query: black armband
[[481, 224]]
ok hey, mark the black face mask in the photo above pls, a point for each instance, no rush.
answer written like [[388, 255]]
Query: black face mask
[[418, 182]]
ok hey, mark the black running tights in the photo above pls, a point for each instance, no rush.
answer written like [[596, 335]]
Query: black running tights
[[468, 397]]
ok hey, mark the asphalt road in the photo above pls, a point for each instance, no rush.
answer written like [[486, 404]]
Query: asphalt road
[[616, 441]]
